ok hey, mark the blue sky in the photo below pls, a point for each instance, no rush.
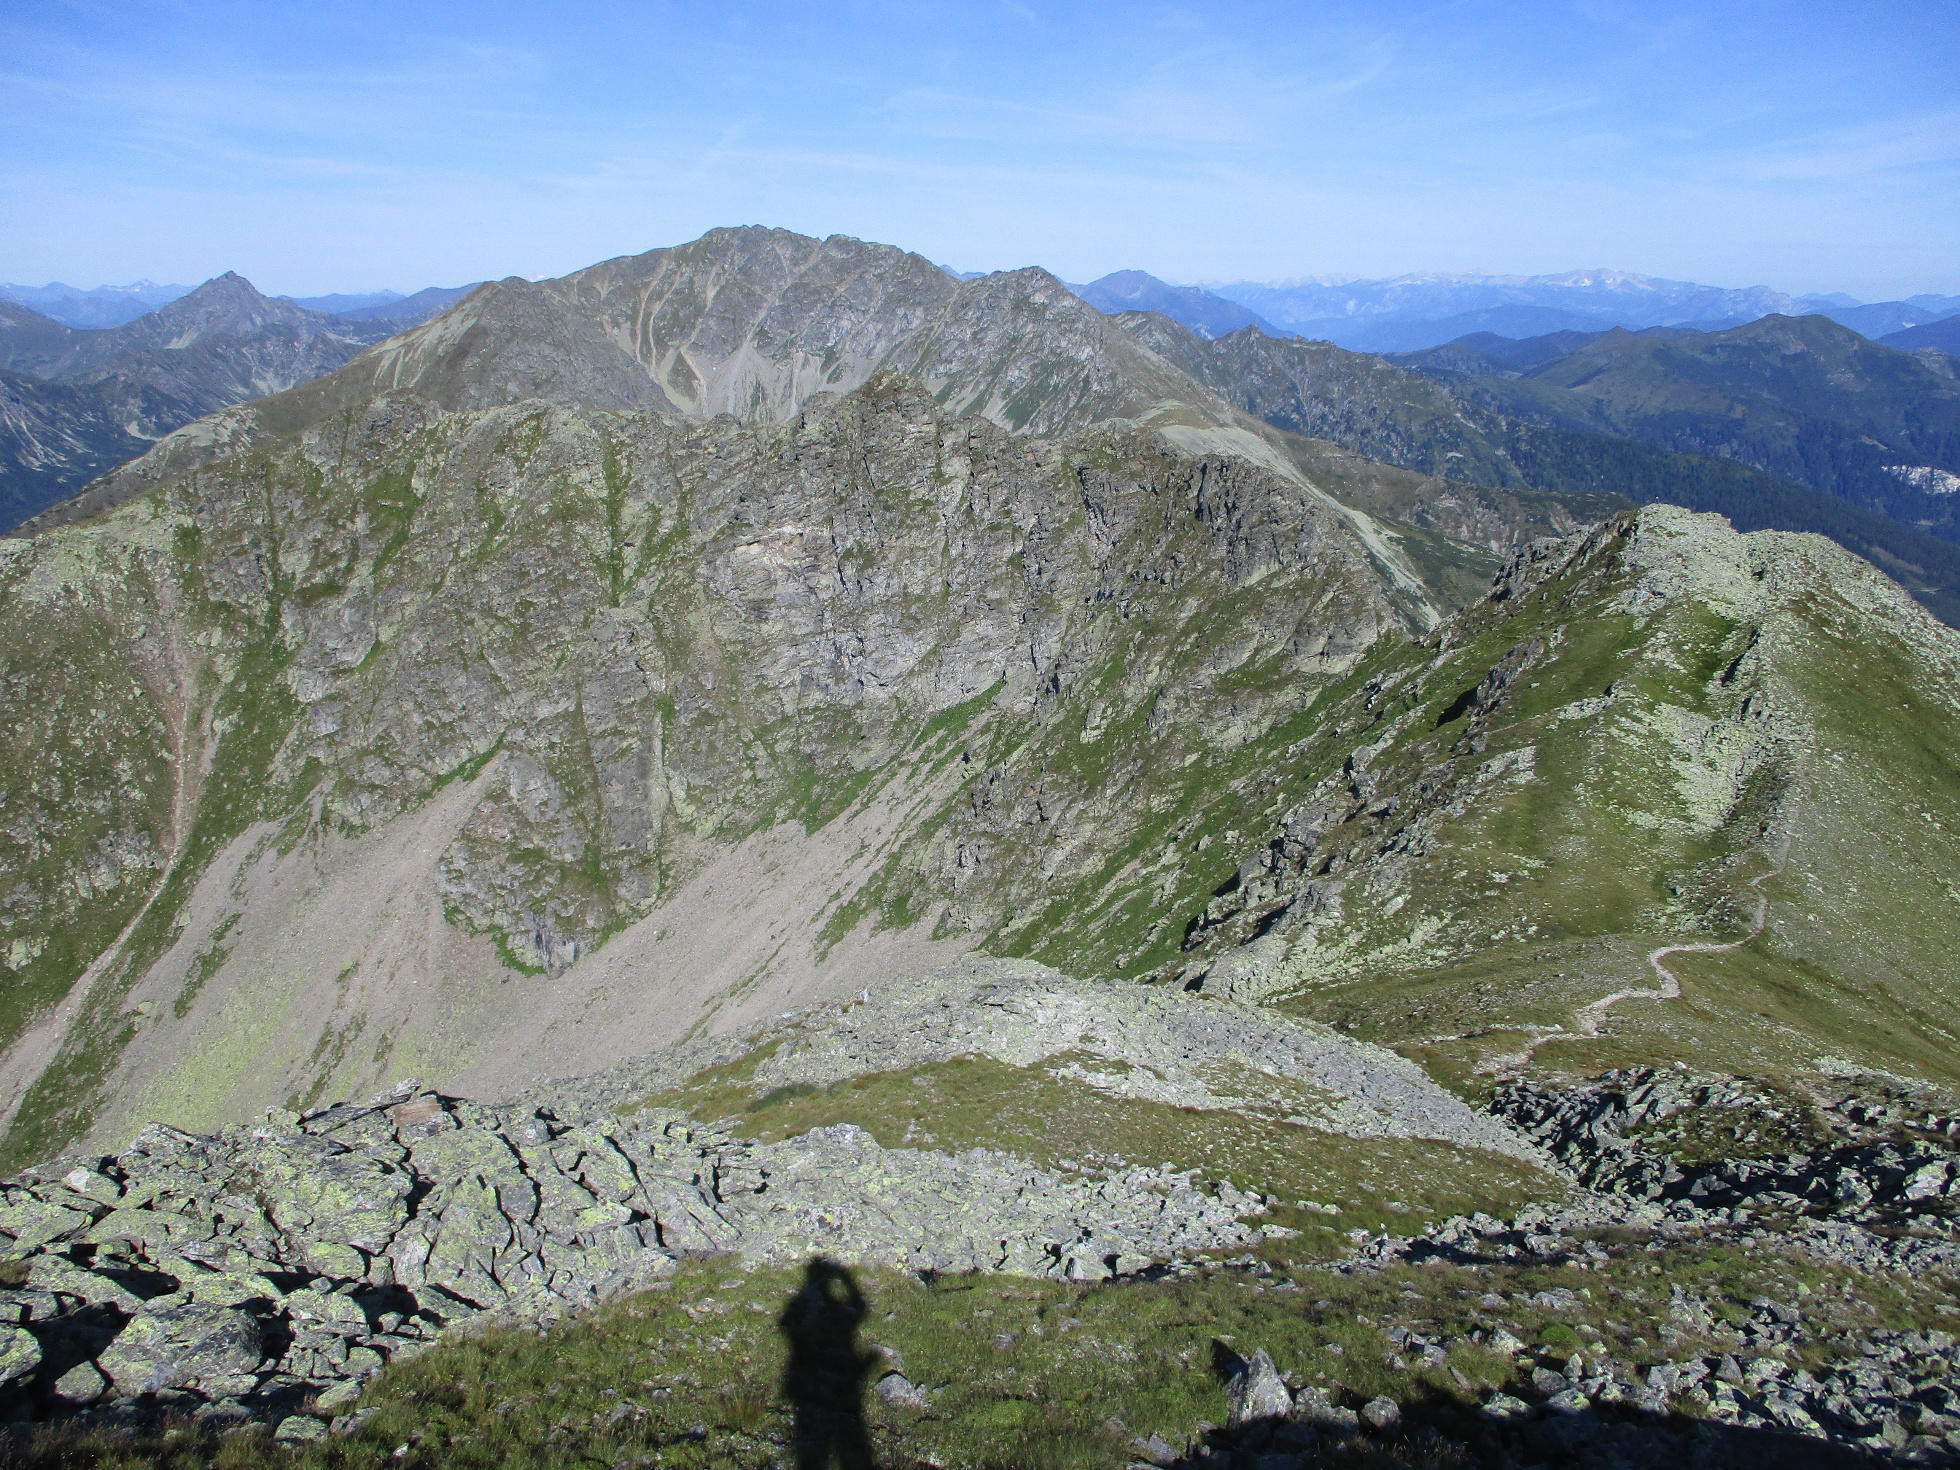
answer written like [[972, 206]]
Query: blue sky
[[349, 146]]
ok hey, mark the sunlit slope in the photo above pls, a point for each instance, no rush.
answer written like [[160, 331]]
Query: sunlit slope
[[1643, 733], [540, 670]]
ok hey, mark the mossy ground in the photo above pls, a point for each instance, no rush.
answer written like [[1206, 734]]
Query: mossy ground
[[1020, 1372], [1057, 1120]]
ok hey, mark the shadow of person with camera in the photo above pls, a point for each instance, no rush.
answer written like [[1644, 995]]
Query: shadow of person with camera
[[825, 1377]]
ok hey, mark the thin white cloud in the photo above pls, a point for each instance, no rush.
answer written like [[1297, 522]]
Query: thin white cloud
[[1849, 154]]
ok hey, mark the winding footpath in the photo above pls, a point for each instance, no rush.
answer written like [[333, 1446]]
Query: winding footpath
[[1587, 1023]]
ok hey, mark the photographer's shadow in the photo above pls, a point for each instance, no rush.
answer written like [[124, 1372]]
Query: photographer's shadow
[[825, 1377]]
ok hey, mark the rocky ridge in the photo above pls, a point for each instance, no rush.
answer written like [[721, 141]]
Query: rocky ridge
[[1126, 1041], [1716, 667]]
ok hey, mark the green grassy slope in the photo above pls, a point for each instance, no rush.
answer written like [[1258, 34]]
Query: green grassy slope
[[1499, 830]]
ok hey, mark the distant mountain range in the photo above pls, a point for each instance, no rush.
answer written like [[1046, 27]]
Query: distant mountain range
[[1409, 313], [1801, 398], [97, 307], [405, 311], [75, 403], [1397, 314], [1203, 312], [110, 306]]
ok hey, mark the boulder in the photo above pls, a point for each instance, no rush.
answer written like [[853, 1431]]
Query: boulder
[[900, 1392], [1383, 1415], [1257, 1392], [183, 1344], [20, 1354]]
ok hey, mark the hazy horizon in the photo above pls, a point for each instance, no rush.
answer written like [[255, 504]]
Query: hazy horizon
[[400, 289]]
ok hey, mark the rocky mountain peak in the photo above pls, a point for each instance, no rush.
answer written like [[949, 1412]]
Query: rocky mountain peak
[[226, 305]]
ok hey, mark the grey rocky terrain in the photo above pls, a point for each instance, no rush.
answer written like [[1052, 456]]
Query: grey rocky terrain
[[1885, 1196], [251, 1270], [265, 1273]]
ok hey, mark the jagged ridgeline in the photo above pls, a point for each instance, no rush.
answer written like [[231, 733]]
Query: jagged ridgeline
[[735, 626]]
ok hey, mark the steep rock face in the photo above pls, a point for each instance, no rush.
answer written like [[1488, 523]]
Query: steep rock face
[[635, 638], [753, 323]]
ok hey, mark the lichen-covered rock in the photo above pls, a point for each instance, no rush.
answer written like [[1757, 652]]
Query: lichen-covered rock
[[182, 1344], [297, 1429], [20, 1353], [81, 1385]]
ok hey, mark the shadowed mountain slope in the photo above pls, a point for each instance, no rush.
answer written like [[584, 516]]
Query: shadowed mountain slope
[[1469, 416], [1941, 336], [80, 402], [1800, 398]]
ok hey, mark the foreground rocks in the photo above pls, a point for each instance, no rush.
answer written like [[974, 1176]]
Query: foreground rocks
[[265, 1273], [241, 1274], [1896, 1405], [1862, 1179]]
